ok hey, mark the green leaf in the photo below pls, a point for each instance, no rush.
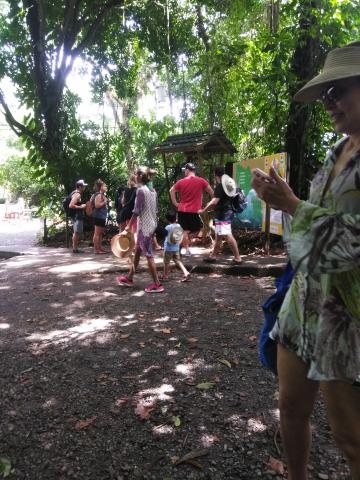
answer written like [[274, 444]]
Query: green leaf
[[5, 467], [177, 420], [205, 385], [224, 362]]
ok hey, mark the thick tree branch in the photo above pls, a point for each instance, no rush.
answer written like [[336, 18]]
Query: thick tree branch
[[95, 25], [18, 128], [35, 21]]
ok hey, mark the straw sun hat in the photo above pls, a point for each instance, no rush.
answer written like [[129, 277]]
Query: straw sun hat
[[122, 246], [340, 63]]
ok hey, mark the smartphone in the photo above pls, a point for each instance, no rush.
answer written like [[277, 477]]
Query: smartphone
[[259, 173]]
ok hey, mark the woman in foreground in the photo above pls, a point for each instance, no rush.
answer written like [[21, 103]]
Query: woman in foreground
[[318, 328]]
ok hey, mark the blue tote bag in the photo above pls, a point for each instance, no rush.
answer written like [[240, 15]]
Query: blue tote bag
[[271, 308]]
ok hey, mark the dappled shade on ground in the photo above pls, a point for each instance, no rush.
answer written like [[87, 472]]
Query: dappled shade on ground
[[106, 382]]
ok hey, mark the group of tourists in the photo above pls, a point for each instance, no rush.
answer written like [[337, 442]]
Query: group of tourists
[[318, 327], [137, 213]]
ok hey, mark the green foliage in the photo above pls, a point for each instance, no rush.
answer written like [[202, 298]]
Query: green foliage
[[229, 64]]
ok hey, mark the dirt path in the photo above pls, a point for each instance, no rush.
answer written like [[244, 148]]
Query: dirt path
[[83, 360], [18, 235]]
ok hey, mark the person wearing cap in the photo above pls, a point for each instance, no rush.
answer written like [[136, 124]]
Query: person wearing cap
[[190, 191], [78, 224], [318, 327], [223, 214]]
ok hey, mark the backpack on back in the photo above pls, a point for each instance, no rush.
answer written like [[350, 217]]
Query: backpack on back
[[70, 212], [89, 209], [90, 205], [238, 201]]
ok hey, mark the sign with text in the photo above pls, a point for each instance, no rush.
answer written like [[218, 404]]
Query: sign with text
[[253, 216]]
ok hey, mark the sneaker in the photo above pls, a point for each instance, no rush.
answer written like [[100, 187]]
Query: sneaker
[[76, 250], [125, 281], [153, 288]]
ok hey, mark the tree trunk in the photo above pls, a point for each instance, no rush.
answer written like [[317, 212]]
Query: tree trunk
[[305, 65], [210, 90]]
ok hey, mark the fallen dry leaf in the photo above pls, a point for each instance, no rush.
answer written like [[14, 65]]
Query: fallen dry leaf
[[124, 336], [165, 330], [192, 339], [224, 362], [192, 455], [144, 410], [277, 465], [195, 463], [121, 401], [205, 385], [141, 344], [81, 424], [253, 338]]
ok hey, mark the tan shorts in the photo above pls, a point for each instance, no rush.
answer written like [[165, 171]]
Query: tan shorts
[[168, 256]]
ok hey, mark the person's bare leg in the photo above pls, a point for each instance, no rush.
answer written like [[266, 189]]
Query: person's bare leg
[[234, 247], [217, 247], [342, 402], [153, 270], [185, 244], [75, 240], [96, 239], [135, 263], [156, 244], [166, 269], [101, 233], [297, 396], [182, 267]]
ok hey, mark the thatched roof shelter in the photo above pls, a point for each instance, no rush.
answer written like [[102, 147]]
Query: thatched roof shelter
[[198, 144]]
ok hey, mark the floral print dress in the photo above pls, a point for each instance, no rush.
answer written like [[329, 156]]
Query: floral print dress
[[320, 316]]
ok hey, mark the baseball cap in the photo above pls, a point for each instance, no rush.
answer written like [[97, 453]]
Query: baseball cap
[[81, 183], [189, 166]]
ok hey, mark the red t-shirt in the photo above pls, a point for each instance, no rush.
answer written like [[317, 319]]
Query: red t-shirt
[[190, 190]]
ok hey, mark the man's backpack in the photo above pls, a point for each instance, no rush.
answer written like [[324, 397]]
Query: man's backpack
[[238, 201], [70, 212]]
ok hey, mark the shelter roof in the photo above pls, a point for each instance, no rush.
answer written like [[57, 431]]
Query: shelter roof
[[209, 141]]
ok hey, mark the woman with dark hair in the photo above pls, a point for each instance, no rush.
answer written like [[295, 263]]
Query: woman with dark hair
[[318, 327], [100, 212], [128, 203], [119, 197], [145, 212]]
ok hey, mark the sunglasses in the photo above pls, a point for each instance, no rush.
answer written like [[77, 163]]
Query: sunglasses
[[333, 93]]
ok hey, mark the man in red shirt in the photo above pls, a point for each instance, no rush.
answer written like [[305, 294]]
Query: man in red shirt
[[190, 190]]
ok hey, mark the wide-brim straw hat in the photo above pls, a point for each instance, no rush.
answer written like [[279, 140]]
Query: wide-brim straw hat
[[176, 235], [340, 63], [229, 185], [122, 246]]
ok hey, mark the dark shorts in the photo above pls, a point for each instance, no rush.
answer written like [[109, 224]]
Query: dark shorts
[[190, 222], [99, 222]]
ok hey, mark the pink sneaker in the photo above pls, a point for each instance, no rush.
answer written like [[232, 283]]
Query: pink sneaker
[[125, 281], [153, 288]]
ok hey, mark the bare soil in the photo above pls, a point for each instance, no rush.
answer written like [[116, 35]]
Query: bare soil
[[106, 382]]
